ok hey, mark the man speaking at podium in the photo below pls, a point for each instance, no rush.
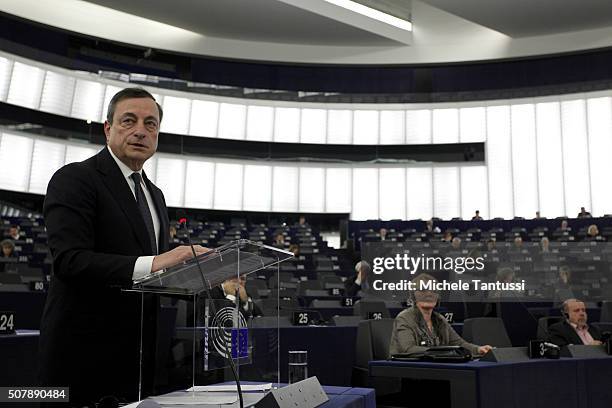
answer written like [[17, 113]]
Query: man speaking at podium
[[107, 226]]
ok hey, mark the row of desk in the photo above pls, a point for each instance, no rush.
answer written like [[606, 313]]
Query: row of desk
[[563, 383]]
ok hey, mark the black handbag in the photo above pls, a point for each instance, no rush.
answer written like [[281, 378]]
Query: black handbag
[[439, 354]]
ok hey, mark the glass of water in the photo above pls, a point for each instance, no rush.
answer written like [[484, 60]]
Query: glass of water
[[298, 366]]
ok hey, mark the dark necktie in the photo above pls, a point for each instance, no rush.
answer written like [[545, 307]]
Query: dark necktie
[[143, 206]]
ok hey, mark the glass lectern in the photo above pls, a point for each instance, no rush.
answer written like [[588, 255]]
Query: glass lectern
[[204, 318]]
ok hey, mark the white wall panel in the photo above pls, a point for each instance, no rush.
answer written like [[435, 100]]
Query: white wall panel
[[57, 93], [445, 125], [87, 101], [26, 85], [228, 186], [260, 123], [312, 189], [473, 125], [446, 192], [392, 192], [499, 162], [338, 190], [109, 92], [474, 192], [199, 184], [575, 156], [419, 192], [313, 126], [550, 159], [392, 127], [418, 126], [204, 118], [6, 70], [287, 125], [600, 150], [232, 121], [339, 126], [75, 153], [15, 159], [171, 180], [365, 194], [257, 188], [524, 169], [47, 158], [285, 189], [365, 127], [176, 115]]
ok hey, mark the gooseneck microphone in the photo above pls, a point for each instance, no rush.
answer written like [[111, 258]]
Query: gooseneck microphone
[[183, 224]]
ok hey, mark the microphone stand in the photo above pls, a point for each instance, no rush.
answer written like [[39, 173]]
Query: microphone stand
[[183, 223]]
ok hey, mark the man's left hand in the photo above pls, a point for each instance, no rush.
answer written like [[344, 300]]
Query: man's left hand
[[484, 349]]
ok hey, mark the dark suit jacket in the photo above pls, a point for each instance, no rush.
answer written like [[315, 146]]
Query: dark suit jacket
[[89, 335], [253, 310], [563, 333], [350, 287]]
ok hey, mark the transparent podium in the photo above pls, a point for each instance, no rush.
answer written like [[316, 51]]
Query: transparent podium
[[202, 331]]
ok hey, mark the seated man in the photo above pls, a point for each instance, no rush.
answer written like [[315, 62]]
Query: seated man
[[359, 281], [418, 328], [574, 328], [227, 291]]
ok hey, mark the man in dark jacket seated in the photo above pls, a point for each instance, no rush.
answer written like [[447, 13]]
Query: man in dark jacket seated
[[574, 328], [359, 281], [227, 291]]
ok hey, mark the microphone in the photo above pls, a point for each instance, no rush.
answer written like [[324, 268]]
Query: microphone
[[182, 216]]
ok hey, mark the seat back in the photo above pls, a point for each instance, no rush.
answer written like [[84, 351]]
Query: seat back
[[606, 311], [303, 286], [326, 303], [486, 330], [373, 340], [544, 323], [381, 331], [363, 307]]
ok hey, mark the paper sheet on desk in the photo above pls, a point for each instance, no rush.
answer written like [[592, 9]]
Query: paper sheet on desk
[[231, 387], [196, 398]]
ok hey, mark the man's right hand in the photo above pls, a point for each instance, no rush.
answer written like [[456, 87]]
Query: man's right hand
[[176, 256]]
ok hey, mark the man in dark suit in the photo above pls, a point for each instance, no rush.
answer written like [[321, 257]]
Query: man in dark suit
[[107, 226], [226, 295], [574, 328], [358, 282]]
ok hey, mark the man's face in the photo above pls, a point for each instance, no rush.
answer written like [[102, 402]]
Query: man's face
[[133, 133], [577, 313], [13, 232]]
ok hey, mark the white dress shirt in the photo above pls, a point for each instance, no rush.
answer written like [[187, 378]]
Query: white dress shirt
[[143, 264]]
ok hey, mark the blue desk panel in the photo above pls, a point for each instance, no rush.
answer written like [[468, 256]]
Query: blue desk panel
[[566, 382]]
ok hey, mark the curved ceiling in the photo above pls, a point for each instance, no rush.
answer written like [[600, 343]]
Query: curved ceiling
[[319, 31]]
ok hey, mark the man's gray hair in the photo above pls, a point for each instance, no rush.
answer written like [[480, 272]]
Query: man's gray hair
[[566, 302], [363, 264]]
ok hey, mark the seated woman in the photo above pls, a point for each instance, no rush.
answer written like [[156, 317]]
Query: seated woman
[[418, 328], [592, 234]]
